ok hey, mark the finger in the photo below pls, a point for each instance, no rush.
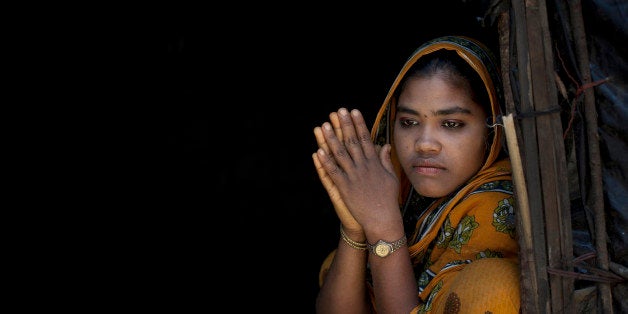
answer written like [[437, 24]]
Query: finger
[[339, 154], [327, 182], [384, 156], [350, 137], [331, 162], [334, 195], [363, 134], [335, 122], [322, 174], [320, 139]]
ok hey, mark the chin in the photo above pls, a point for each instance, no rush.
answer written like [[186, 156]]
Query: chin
[[431, 193]]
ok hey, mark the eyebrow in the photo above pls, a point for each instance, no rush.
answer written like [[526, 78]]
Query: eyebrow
[[442, 112]]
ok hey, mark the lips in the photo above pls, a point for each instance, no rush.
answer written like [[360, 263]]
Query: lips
[[427, 164], [427, 167]]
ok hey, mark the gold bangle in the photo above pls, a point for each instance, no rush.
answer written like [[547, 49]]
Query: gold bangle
[[351, 243]]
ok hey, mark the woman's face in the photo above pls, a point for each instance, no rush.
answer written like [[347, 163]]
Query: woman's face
[[440, 135]]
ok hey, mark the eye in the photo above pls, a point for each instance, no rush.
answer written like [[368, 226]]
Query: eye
[[406, 123], [453, 124]]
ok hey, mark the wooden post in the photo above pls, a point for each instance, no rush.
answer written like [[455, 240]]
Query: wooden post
[[544, 157]]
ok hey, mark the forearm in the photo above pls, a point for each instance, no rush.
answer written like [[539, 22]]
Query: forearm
[[344, 287], [394, 283]]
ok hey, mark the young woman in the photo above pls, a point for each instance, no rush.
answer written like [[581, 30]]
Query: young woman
[[425, 198]]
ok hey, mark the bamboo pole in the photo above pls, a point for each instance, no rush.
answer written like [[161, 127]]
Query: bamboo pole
[[519, 179], [596, 198], [529, 285]]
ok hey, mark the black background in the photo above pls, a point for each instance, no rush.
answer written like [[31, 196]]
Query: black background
[[240, 219]]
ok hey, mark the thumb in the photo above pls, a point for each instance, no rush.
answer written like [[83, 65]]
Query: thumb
[[384, 157]]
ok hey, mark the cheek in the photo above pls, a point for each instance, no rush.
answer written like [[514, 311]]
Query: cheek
[[403, 145], [468, 145], [400, 151], [477, 147]]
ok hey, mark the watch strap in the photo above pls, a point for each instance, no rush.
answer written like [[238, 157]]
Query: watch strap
[[383, 248]]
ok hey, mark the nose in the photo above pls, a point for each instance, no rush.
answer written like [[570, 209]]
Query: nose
[[427, 142]]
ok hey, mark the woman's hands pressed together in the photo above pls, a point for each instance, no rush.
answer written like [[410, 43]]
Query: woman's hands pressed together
[[357, 174]]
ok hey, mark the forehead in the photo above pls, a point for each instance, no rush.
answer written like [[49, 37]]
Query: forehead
[[435, 93]]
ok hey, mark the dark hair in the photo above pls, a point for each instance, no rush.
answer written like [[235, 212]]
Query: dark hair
[[455, 70]]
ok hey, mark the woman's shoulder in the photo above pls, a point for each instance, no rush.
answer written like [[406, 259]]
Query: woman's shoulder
[[487, 198]]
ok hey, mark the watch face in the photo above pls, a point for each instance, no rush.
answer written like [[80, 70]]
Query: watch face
[[383, 249]]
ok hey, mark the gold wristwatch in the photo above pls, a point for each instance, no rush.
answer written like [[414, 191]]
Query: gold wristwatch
[[382, 248]]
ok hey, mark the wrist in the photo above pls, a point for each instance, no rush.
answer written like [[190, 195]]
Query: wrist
[[358, 245], [383, 248]]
